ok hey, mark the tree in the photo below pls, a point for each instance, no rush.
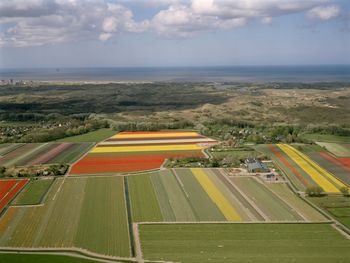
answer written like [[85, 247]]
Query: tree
[[2, 171], [314, 191], [215, 162]]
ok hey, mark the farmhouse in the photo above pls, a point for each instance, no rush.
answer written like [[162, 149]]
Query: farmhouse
[[256, 166]]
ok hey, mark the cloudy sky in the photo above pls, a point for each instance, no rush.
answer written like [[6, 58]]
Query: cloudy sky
[[107, 33]]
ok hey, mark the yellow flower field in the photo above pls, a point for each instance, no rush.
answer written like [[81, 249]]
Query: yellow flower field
[[321, 177], [150, 148], [216, 196], [318, 168], [154, 135]]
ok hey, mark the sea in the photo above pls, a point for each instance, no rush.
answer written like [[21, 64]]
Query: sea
[[255, 74]]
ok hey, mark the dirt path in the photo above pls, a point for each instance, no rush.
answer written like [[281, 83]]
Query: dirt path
[[341, 231], [180, 182], [73, 252], [137, 241], [257, 209], [292, 208]]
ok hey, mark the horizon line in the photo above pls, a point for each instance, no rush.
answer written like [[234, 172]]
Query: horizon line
[[165, 67]]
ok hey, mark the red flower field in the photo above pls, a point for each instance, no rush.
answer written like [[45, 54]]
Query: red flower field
[[125, 163], [9, 189], [141, 151]]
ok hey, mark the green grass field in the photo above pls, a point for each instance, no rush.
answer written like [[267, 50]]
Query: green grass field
[[243, 243], [103, 225], [86, 213], [308, 212], [144, 203], [72, 154], [336, 148], [337, 206], [342, 214], [270, 204], [326, 137], [33, 192], [179, 203], [237, 154], [42, 258], [94, 136]]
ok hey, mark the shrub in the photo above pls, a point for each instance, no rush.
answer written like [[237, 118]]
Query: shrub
[[314, 191], [345, 191]]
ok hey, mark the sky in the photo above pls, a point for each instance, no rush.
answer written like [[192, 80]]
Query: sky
[[171, 33]]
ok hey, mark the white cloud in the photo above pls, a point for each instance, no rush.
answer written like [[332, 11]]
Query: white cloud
[[205, 15], [324, 12], [105, 36], [39, 22], [110, 24], [266, 20]]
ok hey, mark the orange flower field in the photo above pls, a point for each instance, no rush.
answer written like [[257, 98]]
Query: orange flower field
[[140, 151]]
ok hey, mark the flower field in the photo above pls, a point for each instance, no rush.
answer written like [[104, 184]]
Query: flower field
[[328, 182], [338, 166], [338, 149], [140, 151], [215, 195], [79, 213], [197, 195], [306, 170], [8, 190], [41, 153]]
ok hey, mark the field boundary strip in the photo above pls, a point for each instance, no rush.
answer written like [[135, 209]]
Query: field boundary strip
[[251, 203], [235, 222], [69, 251], [138, 248], [341, 231], [238, 195], [283, 200], [129, 219]]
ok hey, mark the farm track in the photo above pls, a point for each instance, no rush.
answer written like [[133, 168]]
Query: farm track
[[132, 240], [137, 241], [252, 209], [283, 200], [70, 251]]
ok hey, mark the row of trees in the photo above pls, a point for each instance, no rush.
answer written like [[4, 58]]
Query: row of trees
[[317, 191], [45, 135], [34, 171]]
